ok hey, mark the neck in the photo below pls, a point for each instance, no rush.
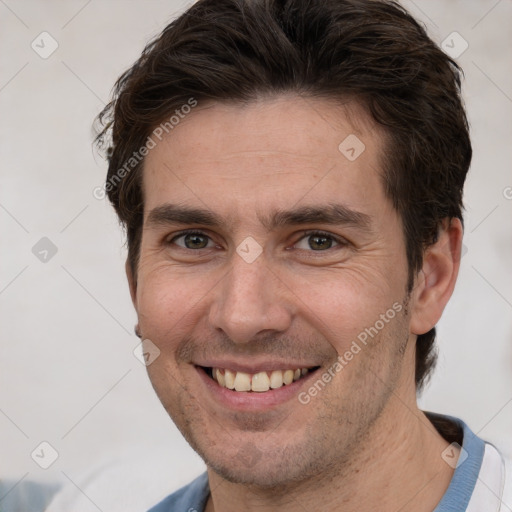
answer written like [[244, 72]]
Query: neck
[[399, 465]]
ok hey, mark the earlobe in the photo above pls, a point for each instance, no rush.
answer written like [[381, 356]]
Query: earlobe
[[435, 282]]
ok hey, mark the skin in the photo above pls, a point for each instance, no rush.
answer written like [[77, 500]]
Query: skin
[[361, 443]]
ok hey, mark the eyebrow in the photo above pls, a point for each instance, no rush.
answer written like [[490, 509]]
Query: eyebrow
[[330, 214]]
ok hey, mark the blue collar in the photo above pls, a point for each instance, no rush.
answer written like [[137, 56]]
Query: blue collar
[[462, 484]]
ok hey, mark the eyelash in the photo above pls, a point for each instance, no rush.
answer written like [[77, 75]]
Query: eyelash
[[340, 241]]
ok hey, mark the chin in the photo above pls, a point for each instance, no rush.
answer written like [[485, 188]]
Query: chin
[[264, 475], [281, 468]]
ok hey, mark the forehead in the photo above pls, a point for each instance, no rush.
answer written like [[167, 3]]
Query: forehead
[[240, 158]]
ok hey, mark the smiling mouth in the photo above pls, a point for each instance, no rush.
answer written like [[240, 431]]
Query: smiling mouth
[[260, 382]]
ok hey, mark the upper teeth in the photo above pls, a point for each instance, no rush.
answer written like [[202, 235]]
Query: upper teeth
[[261, 381]]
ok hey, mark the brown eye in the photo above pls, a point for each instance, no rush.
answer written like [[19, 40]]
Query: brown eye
[[192, 240], [318, 241]]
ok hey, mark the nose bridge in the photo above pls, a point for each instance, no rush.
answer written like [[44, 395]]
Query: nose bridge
[[249, 300]]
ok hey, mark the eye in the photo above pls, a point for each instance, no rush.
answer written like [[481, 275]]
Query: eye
[[193, 240], [319, 241]]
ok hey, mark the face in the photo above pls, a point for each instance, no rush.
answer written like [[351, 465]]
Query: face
[[267, 250]]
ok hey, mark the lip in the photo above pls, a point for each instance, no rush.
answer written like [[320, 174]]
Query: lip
[[252, 401]]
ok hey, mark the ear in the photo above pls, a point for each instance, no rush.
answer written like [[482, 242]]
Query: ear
[[132, 283], [436, 280]]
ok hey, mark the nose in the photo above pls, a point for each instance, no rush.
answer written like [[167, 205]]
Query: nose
[[250, 300]]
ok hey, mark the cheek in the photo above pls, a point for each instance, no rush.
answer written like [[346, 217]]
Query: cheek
[[168, 304], [343, 304]]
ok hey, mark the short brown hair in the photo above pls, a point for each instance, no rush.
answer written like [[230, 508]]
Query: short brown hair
[[370, 50]]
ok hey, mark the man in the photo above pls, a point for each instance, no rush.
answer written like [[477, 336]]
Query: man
[[290, 177]]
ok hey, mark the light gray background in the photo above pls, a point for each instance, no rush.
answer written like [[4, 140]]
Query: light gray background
[[68, 374]]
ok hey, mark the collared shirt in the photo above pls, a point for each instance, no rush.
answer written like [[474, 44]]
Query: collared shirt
[[478, 482]]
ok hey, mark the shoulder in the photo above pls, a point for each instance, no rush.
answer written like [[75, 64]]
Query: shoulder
[[482, 479], [493, 489], [507, 492], [191, 498]]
